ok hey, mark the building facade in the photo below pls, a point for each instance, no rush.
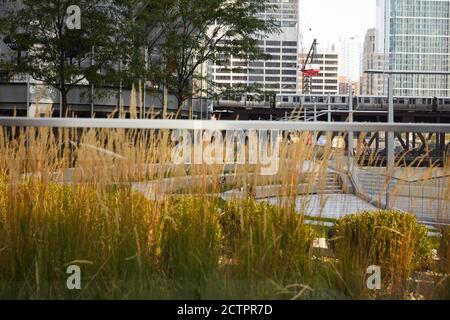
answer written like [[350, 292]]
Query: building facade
[[326, 83], [346, 86], [350, 55], [372, 84], [414, 35], [278, 74]]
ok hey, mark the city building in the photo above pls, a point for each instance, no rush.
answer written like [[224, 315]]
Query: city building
[[326, 83], [372, 84], [278, 74], [350, 54], [346, 86], [414, 35]]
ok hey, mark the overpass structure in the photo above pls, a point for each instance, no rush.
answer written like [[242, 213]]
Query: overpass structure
[[31, 99], [381, 145]]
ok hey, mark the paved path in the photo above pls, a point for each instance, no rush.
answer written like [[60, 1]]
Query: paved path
[[332, 206]]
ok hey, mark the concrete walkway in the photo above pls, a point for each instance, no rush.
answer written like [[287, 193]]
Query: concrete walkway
[[333, 206]]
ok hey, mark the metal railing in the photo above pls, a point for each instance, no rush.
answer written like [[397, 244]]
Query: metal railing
[[427, 198], [344, 127]]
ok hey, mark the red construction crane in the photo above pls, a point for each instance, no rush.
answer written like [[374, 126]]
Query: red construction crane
[[310, 69]]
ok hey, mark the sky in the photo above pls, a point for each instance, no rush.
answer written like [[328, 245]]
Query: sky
[[331, 19]]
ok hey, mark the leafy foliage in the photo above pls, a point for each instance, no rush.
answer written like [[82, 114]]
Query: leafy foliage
[[49, 51], [198, 31]]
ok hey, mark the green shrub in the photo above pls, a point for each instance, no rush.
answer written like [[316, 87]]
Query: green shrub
[[390, 239]]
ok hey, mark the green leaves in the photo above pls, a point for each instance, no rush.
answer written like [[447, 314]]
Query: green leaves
[[57, 55], [165, 41], [200, 31]]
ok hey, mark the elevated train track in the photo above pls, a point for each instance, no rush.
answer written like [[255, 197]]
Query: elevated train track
[[434, 148], [363, 108]]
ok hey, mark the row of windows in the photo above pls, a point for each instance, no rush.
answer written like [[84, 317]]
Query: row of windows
[[419, 44], [422, 26], [285, 58], [271, 79], [288, 88], [326, 56], [407, 61], [420, 8], [325, 81], [273, 43], [324, 87], [259, 64], [256, 79], [286, 24], [273, 86], [328, 75], [284, 50], [328, 62], [267, 71]]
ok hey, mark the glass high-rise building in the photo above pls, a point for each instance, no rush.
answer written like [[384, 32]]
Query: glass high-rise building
[[415, 35], [278, 73]]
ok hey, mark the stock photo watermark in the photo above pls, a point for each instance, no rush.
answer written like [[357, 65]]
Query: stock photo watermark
[[253, 147], [74, 280], [374, 280], [73, 21]]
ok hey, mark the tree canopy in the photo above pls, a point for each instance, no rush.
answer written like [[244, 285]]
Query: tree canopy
[[49, 50], [166, 41], [198, 31]]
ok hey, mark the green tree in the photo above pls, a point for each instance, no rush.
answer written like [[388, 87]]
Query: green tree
[[197, 31], [53, 50], [142, 31]]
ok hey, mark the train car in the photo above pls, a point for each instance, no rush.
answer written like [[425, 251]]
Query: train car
[[371, 103], [339, 101], [319, 101], [229, 102], [411, 104], [420, 104], [287, 101], [336, 102], [443, 105], [244, 101], [401, 104]]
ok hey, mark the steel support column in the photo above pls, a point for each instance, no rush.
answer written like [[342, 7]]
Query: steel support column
[[390, 135], [351, 146]]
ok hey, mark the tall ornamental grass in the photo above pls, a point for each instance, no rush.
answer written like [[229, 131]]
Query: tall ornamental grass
[[389, 239]]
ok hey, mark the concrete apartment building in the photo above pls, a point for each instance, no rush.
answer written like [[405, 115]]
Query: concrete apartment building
[[372, 84], [327, 81], [279, 73], [346, 86], [350, 56], [415, 35]]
